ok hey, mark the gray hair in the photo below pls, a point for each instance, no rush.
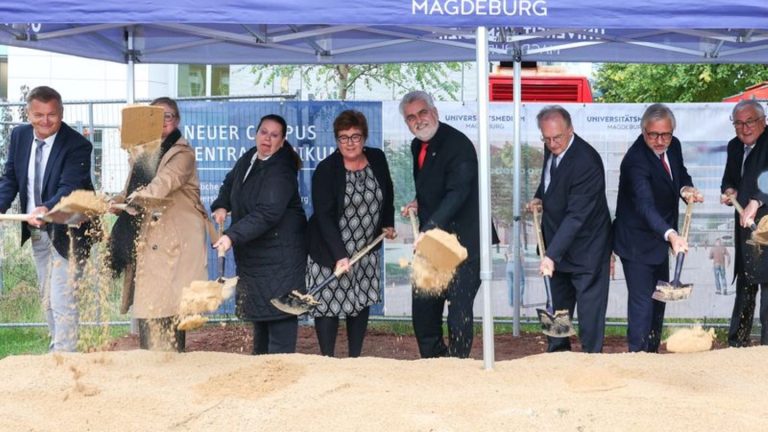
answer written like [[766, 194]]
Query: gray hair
[[747, 103], [414, 96], [553, 110], [656, 112], [44, 94]]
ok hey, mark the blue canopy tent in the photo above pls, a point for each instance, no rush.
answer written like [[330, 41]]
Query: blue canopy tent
[[385, 31]]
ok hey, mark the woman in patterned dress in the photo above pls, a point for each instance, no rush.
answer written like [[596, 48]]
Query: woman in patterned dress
[[353, 202]]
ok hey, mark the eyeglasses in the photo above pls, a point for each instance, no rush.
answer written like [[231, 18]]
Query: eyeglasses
[[665, 136], [355, 138], [749, 123], [168, 117], [555, 139]]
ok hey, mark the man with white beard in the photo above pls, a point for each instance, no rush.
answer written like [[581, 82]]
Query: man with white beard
[[445, 174]]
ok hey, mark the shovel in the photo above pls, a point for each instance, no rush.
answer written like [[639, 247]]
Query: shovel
[[553, 323], [206, 296], [755, 239], [297, 303], [676, 290], [57, 216]]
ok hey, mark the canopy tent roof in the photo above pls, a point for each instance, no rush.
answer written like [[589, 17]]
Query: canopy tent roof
[[382, 31]]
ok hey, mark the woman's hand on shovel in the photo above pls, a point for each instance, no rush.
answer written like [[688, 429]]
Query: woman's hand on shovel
[[342, 266], [224, 242]]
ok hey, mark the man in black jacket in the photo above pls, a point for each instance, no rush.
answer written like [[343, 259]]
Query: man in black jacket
[[445, 173], [747, 159], [576, 227]]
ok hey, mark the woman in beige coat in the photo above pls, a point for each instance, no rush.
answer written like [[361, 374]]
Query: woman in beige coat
[[160, 254]]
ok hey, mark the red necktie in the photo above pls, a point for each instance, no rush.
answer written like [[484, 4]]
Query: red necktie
[[665, 165], [423, 153]]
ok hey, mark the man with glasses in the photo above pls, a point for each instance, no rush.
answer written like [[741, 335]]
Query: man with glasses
[[576, 226], [652, 180], [47, 160], [747, 159], [445, 176]]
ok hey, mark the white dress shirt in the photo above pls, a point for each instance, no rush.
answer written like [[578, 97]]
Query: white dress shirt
[[31, 169]]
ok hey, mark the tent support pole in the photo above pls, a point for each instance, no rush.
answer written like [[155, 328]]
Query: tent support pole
[[129, 78], [517, 220], [484, 182]]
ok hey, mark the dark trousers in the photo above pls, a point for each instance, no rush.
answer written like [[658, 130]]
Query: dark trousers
[[427, 311], [275, 337], [328, 327], [645, 315], [744, 312], [161, 334], [587, 293]]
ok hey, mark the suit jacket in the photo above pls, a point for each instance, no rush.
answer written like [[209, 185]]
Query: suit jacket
[[447, 189], [746, 257], [576, 223], [328, 191], [68, 169], [647, 203]]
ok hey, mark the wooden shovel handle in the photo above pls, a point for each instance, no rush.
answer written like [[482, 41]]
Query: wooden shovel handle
[[740, 209], [361, 253], [414, 222], [14, 217], [687, 220], [537, 227]]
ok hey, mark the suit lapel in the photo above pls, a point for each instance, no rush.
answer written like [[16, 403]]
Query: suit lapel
[[562, 165], [26, 153]]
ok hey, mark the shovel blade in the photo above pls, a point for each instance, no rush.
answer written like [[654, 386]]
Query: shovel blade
[[65, 217], [295, 303], [557, 324], [667, 292]]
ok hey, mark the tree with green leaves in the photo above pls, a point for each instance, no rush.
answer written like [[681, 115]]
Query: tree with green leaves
[[336, 81], [675, 82]]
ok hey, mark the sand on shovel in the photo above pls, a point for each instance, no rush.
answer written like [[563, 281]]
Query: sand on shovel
[[199, 297], [142, 125], [435, 260], [83, 201], [688, 340], [760, 236]]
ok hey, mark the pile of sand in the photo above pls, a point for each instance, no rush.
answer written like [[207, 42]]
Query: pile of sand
[[435, 260], [694, 339], [203, 391]]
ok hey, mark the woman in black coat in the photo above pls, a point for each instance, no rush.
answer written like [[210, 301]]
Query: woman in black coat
[[267, 234], [353, 202]]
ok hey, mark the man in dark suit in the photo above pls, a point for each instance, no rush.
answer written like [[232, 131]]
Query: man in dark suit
[[747, 159], [576, 225], [445, 172], [652, 180], [47, 160]]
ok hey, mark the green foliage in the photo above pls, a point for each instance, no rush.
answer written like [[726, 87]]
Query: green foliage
[[335, 81], [400, 163], [502, 178], [23, 340], [675, 82]]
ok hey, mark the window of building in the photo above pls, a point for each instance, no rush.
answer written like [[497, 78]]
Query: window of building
[[193, 80]]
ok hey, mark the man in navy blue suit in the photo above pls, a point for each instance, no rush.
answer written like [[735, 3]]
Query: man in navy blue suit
[[47, 160], [652, 180], [576, 225]]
